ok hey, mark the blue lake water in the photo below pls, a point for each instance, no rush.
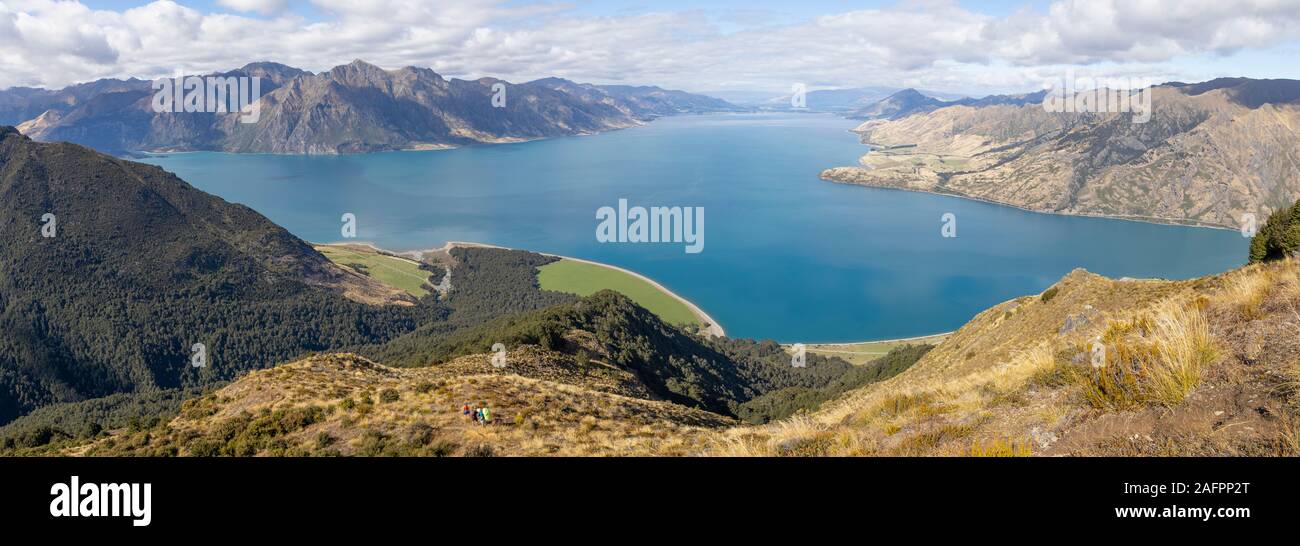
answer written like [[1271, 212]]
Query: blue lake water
[[787, 256]]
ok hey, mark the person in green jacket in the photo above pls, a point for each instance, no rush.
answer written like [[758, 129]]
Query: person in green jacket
[[487, 415]]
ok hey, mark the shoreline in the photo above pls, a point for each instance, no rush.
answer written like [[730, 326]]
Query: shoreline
[[413, 147], [713, 327], [898, 340], [1155, 220]]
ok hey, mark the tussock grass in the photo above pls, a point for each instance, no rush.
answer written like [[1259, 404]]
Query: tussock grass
[[928, 443], [1001, 448], [798, 436], [1245, 292], [1156, 358]]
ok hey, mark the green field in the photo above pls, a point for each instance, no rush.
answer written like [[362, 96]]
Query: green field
[[396, 272], [862, 353], [584, 279]]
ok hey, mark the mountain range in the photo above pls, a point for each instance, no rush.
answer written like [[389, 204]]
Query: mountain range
[[357, 107], [1211, 152]]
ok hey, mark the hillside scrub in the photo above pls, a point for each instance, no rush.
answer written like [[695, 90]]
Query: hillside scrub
[[1279, 237]]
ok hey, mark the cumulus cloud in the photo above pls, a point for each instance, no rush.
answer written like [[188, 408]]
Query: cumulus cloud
[[934, 44]]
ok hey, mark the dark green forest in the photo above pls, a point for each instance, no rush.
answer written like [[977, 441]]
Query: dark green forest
[[785, 402], [716, 374]]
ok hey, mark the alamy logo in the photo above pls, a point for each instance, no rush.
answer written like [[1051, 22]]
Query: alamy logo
[[656, 225], [49, 225], [498, 355], [211, 94], [799, 96], [91, 500], [1099, 95]]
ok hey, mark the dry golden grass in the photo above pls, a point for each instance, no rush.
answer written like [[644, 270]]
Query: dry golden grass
[[357, 407], [937, 419], [1002, 448], [1245, 291], [1157, 357]]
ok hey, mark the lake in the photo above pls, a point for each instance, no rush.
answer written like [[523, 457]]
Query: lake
[[787, 256]]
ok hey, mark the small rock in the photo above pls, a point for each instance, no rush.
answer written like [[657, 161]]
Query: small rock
[[1043, 438]]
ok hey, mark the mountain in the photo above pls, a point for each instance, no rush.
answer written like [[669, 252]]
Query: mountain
[[836, 100], [742, 98], [356, 107], [1210, 153], [897, 105], [19, 104], [852, 100], [910, 101], [135, 266], [641, 102]]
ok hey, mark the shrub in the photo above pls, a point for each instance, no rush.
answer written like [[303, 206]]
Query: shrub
[[1048, 294], [373, 444], [1279, 237], [389, 395], [441, 449], [480, 450], [419, 435]]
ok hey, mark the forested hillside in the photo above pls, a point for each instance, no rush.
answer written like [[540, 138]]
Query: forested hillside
[[134, 267]]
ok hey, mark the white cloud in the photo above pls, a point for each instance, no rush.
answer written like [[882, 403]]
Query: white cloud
[[931, 44], [264, 7]]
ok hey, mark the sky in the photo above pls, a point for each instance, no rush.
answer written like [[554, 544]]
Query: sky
[[966, 47]]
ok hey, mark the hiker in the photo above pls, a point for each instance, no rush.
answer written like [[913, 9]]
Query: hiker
[[464, 410], [476, 415], [487, 416]]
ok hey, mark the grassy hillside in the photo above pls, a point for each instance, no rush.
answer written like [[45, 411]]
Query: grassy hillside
[[1102, 367], [869, 351], [585, 279], [397, 272], [346, 405]]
